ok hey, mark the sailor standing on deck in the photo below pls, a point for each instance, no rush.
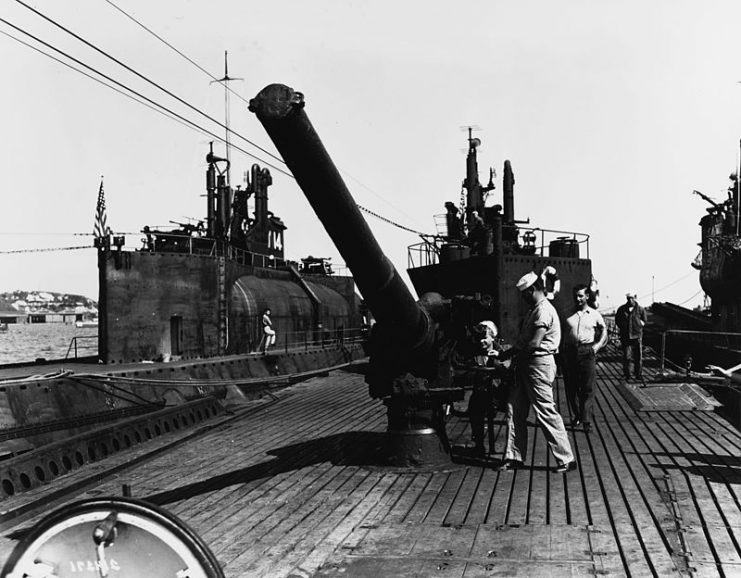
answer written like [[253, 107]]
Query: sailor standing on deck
[[268, 337], [585, 335], [630, 319], [535, 370]]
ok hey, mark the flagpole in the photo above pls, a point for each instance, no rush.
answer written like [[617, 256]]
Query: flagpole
[[101, 228]]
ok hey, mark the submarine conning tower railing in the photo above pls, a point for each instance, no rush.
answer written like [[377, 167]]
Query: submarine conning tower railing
[[281, 111]]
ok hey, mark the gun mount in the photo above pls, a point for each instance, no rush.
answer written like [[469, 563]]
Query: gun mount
[[412, 342]]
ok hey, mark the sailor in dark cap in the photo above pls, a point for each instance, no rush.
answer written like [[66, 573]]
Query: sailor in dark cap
[[630, 319], [535, 370]]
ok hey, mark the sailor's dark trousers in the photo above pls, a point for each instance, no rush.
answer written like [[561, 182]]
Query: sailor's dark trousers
[[580, 372], [633, 349]]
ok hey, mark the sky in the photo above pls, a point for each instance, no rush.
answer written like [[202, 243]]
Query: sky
[[611, 114]]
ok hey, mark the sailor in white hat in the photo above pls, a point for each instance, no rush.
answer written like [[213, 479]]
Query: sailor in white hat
[[527, 281], [540, 335], [485, 373]]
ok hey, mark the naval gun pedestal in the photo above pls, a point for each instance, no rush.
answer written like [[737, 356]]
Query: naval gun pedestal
[[411, 344]]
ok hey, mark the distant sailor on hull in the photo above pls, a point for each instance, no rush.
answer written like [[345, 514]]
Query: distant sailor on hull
[[535, 370], [268, 337]]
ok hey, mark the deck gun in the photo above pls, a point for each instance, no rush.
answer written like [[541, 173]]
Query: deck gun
[[412, 343]]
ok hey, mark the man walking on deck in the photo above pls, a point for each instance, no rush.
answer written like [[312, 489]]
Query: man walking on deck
[[535, 370], [585, 335], [630, 319]]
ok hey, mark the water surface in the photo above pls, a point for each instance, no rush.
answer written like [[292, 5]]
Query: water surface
[[29, 341]]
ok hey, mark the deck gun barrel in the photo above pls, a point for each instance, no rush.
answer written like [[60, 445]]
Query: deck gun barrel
[[405, 350], [281, 111]]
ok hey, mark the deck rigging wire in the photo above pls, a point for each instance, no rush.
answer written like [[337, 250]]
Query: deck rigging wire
[[169, 112], [164, 110]]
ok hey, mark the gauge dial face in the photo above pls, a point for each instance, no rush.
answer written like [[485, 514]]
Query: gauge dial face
[[121, 538]]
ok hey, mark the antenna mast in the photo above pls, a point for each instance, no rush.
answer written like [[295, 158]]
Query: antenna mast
[[225, 80]]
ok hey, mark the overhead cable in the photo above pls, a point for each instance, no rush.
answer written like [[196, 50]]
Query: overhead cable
[[46, 250], [91, 77], [180, 53], [146, 79], [190, 122], [157, 106], [199, 67]]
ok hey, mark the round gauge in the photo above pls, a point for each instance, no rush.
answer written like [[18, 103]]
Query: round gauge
[[111, 537]]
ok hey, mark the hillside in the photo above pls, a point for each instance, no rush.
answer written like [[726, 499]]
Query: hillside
[[47, 300]]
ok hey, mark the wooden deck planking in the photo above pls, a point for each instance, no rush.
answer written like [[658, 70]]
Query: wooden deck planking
[[693, 507], [481, 502], [638, 438], [713, 520], [519, 497], [291, 548], [406, 502], [443, 500], [463, 499], [421, 508], [308, 555], [282, 493], [642, 500], [537, 507]]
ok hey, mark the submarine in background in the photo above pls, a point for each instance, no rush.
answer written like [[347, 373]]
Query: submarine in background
[[480, 249]]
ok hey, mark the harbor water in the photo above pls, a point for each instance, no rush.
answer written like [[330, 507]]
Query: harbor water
[[30, 341]]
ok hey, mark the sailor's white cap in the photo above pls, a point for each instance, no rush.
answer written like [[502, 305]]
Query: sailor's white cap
[[526, 280], [489, 325]]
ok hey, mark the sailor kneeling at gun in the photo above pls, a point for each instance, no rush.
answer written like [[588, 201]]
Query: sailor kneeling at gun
[[479, 369]]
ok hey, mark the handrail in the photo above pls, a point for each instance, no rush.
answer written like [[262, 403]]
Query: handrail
[[176, 243], [306, 340], [311, 339], [689, 332], [428, 250], [73, 344]]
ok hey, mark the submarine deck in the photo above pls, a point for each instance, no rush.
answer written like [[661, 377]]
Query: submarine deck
[[282, 488]]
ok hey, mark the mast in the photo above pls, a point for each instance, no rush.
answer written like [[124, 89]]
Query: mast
[[225, 80]]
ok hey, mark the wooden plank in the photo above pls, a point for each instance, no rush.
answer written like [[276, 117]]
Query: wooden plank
[[269, 511], [605, 551], [658, 530], [445, 497], [666, 454], [307, 557], [406, 502], [628, 536], [463, 499], [481, 502], [279, 558], [519, 497], [399, 484], [501, 498], [272, 536], [538, 504], [422, 506], [629, 445], [445, 542], [711, 510]]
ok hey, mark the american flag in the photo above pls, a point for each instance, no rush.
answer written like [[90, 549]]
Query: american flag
[[101, 229]]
